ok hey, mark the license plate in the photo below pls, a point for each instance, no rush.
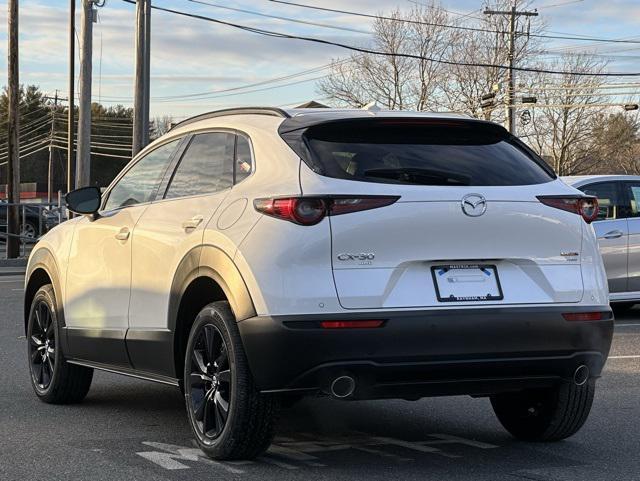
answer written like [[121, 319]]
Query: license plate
[[466, 282]]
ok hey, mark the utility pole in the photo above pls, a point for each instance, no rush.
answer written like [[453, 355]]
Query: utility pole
[[72, 94], [147, 72], [13, 166], [141, 80], [83, 158], [50, 169], [511, 79]]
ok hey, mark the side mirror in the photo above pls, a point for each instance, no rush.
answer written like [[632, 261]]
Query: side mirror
[[85, 200]]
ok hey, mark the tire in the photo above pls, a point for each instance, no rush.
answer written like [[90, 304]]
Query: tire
[[549, 414], [230, 418], [29, 229], [53, 379]]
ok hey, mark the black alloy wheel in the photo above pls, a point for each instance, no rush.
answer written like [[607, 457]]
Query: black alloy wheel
[[42, 346], [229, 416], [209, 386]]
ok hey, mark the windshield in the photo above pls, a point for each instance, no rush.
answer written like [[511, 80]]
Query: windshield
[[423, 153]]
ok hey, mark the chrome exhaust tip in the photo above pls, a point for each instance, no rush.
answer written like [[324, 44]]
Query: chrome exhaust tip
[[581, 375], [343, 386]]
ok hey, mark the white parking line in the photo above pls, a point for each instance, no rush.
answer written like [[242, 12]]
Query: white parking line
[[628, 324], [634, 356]]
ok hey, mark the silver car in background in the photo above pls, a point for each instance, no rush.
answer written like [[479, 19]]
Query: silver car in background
[[618, 232]]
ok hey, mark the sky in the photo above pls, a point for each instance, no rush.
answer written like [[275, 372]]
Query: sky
[[191, 56]]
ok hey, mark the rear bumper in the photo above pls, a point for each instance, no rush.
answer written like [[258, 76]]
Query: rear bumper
[[422, 353]]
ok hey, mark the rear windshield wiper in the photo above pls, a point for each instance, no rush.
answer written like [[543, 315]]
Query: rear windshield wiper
[[418, 176]]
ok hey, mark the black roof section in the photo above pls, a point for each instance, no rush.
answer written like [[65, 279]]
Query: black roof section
[[273, 111]]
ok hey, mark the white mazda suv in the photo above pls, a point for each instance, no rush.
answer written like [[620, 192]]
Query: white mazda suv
[[252, 256]]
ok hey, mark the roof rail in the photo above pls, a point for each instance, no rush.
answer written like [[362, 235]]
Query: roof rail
[[273, 111]]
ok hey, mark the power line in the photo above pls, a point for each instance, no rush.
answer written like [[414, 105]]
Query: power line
[[271, 33], [288, 19], [476, 29]]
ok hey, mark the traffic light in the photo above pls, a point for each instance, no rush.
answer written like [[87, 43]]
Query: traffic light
[[488, 100]]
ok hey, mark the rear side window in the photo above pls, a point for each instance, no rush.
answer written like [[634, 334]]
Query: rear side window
[[244, 159], [415, 152], [206, 167]]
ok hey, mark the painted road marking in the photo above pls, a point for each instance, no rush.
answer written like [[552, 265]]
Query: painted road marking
[[634, 356], [291, 454], [628, 324], [172, 457]]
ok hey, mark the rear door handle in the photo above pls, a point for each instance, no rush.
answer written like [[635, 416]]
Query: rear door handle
[[123, 235], [192, 223], [614, 234]]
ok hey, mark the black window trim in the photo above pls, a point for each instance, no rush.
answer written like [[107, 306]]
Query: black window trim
[[178, 150]]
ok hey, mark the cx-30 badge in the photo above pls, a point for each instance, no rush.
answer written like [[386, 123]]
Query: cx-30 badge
[[363, 256], [474, 205]]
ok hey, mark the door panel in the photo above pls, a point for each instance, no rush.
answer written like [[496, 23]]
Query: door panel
[[98, 284], [161, 240]]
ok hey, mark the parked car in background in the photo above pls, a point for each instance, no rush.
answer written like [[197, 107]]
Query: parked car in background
[[32, 225], [256, 254], [618, 231]]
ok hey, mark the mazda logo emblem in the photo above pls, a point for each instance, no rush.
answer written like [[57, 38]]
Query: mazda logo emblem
[[474, 205]]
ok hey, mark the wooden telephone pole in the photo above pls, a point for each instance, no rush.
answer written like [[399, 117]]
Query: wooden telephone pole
[[13, 166], [141, 85], [72, 94], [83, 156], [511, 79]]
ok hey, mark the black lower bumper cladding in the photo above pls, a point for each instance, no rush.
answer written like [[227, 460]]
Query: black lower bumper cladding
[[427, 353]]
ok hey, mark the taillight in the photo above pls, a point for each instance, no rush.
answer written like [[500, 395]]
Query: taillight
[[585, 206], [299, 210], [311, 210]]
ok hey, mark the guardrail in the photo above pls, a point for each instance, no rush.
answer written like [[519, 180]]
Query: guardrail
[[35, 220]]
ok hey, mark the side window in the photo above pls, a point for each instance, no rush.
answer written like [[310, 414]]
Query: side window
[[610, 203], [141, 182], [633, 193], [206, 166], [244, 159]]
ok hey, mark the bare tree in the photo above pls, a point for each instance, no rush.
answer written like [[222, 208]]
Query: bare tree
[[467, 84], [391, 81], [565, 113], [615, 144], [160, 126]]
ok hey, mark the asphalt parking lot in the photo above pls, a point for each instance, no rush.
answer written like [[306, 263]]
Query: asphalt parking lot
[[134, 430]]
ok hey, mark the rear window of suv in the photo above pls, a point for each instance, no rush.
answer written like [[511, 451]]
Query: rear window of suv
[[422, 152]]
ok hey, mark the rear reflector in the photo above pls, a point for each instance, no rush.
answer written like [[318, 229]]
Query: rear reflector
[[368, 324], [584, 316]]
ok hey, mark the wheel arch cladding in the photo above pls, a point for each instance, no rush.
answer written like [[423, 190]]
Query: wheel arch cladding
[[206, 274], [42, 270]]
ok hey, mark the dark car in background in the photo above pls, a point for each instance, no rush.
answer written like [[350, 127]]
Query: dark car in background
[[34, 222]]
